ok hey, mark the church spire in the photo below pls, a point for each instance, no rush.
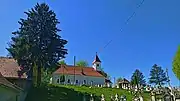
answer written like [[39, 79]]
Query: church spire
[[97, 63], [96, 59]]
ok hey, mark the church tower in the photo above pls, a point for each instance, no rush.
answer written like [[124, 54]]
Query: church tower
[[97, 63]]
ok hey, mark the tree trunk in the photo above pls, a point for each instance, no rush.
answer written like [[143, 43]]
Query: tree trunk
[[38, 76]]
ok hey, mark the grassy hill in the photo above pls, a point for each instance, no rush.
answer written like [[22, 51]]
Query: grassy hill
[[74, 93]]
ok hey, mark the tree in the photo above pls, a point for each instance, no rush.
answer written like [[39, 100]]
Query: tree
[[138, 78], [62, 62], [157, 75], [176, 64], [36, 43], [82, 63], [119, 79]]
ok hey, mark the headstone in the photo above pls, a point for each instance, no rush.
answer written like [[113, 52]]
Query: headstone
[[167, 98], [116, 98], [91, 98], [84, 98], [141, 98], [102, 97], [112, 99]]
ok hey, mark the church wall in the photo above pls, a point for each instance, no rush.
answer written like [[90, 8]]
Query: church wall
[[89, 80]]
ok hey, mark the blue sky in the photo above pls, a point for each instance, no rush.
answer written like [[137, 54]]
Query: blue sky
[[152, 35]]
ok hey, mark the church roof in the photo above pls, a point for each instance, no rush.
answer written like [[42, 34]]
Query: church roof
[[77, 70], [96, 59]]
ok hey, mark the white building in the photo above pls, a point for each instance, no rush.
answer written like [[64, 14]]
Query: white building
[[79, 75]]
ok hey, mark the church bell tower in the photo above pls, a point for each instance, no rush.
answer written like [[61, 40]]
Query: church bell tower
[[97, 63]]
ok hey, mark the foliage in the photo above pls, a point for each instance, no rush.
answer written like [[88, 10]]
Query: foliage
[[62, 78], [176, 64], [138, 78], [37, 42], [62, 62], [119, 79], [75, 93], [82, 63], [157, 76], [46, 76]]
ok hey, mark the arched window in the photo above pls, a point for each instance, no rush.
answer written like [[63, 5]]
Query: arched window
[[76, 81], [84, 82], [57, 80], [91, 83], [68, 80]]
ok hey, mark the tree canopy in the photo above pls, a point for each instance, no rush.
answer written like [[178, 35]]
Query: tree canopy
[[62, 62], [119, 79], [36, 43], [157, 75], [82, 63], [138, 78], [176, 63]]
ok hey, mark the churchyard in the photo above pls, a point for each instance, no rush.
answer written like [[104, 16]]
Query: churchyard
[[35, 52]]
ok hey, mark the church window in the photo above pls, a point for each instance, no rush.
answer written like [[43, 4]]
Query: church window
[[97, 65], [76, 81], [68, 80], [84, 81], [57, 80]]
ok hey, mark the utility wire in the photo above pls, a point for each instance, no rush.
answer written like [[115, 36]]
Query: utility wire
[[126, 22]]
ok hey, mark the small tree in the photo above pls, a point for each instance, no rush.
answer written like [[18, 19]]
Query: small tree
[[138, 78], [157, 76], [176, 64], [119, 79], [82, 63], [62, 62]]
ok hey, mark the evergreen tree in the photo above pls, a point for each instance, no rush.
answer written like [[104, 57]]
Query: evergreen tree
[[157, 76], [138, 78], [36, 43], [176, 64]]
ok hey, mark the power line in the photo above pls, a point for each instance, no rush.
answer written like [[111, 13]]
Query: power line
[[126, 22]]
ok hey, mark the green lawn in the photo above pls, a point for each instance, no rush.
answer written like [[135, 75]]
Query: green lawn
[[74, 93]]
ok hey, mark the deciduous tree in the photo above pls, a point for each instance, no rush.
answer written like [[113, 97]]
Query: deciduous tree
[[176, 64], [82, 63]]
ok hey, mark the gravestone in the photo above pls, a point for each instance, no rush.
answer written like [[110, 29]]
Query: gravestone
[[102, 97]]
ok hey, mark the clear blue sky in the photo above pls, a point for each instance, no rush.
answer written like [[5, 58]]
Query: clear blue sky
[[152, 36]]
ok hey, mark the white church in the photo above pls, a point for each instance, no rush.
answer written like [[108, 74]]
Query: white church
[[80, 75]]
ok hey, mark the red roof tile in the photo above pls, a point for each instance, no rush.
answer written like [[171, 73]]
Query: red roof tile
[[87, 71], [9, 67]]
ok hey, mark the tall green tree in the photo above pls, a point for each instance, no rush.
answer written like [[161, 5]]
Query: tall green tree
[[157, 75], [36, 43], [176, 64], [82, 63], [138, 78]]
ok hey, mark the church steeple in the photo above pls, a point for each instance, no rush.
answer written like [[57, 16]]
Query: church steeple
[[96, 59], [97, 63]]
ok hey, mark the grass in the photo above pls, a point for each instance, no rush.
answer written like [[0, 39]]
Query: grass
[[74, 93]]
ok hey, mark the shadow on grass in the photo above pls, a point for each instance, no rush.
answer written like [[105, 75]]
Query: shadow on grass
[[54, 93]]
